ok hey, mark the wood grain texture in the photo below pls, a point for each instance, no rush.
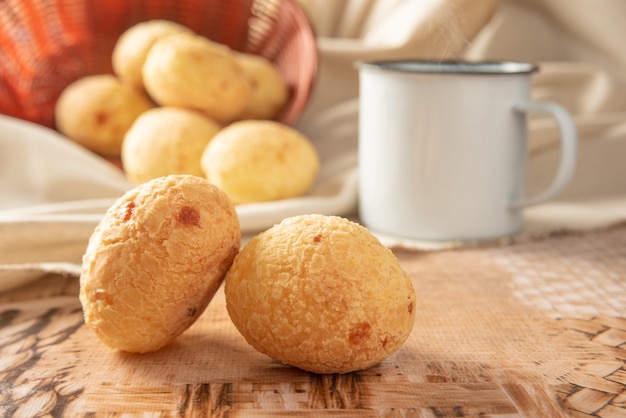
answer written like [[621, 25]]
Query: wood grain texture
[[534, 329]]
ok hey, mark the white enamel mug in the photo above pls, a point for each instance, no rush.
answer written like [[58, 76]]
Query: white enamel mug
[[443, 148]]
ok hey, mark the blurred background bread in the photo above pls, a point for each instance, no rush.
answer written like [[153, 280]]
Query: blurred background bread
[[193, 72], [96, 111], [166, 140], [131, 49], [260, 161]]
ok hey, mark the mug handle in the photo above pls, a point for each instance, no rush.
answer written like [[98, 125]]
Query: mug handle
[[569, 147]]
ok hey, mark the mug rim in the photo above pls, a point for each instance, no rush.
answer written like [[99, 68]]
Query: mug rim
[[416, 66]]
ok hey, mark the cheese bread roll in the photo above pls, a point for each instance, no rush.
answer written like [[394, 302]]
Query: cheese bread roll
[[322, 294], [156, 260]]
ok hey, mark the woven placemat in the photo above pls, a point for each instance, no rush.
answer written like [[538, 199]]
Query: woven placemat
[[531, 329]]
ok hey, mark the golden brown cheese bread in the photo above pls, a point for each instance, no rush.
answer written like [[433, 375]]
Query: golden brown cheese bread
[[322, 294], [155, 261]]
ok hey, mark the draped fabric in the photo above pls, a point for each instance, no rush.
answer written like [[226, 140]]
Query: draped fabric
[[52, 193], [578, 45]]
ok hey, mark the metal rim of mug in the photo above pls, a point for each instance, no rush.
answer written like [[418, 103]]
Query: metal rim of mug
[[450, 67]]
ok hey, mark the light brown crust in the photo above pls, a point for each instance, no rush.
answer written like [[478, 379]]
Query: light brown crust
[[322, 294], [155, 261]]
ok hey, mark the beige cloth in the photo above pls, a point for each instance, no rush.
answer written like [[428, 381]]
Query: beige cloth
[[52, 194], [579, 46]]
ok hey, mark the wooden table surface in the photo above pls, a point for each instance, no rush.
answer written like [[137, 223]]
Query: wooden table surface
[[532, 329]]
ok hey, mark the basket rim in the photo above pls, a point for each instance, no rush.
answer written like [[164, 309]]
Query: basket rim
[[34, 98]]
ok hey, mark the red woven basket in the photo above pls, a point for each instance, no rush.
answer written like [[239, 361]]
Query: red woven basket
[[47, 44]]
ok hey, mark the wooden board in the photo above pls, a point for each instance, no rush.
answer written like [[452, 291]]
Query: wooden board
[[534, 329]]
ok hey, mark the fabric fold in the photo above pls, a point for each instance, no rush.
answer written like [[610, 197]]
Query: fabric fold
[[53, 192]]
